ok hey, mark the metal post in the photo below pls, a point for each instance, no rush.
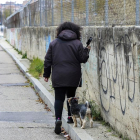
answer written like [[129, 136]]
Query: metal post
[[40, 13], [15, 6], [94, 7], [10, 7], [137, 12], [95, 12], [44, 12], [61, 11], [124, 11], [106, 12], [52, 14], [29, 16], [46, 8], [72, 11], [34, 15], [87, 12]]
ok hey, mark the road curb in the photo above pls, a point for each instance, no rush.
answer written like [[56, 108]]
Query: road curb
[[75, 133]]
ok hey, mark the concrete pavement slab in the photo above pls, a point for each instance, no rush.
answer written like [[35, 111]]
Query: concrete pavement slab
[[17, 93], [1, 49], [47, 129], [13, 78], [6, 124], [8, 71], [37, 117], [5, 58], [29, 134], [8, 66], [20, 105]]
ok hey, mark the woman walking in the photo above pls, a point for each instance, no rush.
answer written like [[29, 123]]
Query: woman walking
[[63, 59]]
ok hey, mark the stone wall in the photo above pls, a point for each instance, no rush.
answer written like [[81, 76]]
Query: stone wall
[[111, 75]]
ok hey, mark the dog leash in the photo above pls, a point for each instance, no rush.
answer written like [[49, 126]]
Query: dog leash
[[88, 43]]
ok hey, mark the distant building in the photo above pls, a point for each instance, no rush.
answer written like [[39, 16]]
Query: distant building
[[8, 3], [25, 2], [12, 5]]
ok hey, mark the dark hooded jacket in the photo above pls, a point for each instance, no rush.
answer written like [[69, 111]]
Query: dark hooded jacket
[[64, 56]]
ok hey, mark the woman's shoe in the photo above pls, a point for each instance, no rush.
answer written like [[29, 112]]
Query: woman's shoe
[[70, 120], [58, 124]]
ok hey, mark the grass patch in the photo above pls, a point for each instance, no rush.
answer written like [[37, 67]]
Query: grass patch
[[24, 56], [114, 135], [126, 139], [31, 85], [109, 130], [21, 127], [7, 41], [105, 123], [36, 68], [19, 52], [96, 113]]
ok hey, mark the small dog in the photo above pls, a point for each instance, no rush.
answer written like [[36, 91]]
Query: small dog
[[80, 111]]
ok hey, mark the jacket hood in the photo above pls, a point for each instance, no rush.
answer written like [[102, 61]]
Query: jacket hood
[[67, 35]]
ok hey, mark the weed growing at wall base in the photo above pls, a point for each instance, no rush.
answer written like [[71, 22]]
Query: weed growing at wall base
[[7, 41], [24, 56], [19, 52], [36, 68], [95, 111]]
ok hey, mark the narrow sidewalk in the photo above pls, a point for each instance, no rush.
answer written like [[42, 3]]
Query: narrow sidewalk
[[22, 116]]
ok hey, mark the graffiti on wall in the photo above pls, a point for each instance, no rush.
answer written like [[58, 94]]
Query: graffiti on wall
[[12, 37], [117, 71], [19, 40], [48, 41]]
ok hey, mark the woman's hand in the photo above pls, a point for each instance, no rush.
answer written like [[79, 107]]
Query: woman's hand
[[46, 79], [89, 47]]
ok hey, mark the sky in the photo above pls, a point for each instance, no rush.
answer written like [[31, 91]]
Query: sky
[[17, 1]]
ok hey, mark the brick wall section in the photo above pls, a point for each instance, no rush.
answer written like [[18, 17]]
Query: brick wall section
[[111, 75]]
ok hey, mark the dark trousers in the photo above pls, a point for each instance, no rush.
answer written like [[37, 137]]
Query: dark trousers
[[60, 93]]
